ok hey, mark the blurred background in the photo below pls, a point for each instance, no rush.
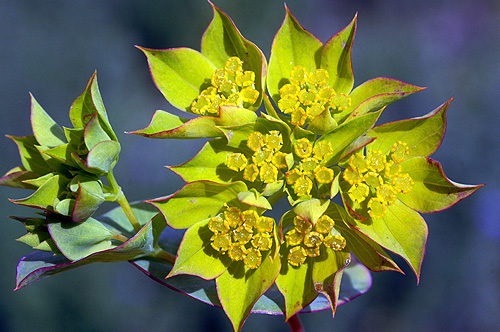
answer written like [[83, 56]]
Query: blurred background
[[51, 48]]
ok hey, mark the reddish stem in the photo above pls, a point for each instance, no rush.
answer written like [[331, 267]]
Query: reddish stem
[[295, 324]]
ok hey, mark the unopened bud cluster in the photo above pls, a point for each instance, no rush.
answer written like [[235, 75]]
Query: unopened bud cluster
[[309, 94], [230, 85], [305, 239], [377, 179], [242, 235]]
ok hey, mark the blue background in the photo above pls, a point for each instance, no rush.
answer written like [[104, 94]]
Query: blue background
[[51, 48]]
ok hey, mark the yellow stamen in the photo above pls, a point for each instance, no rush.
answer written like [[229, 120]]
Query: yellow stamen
[[373, 179], [218, 77], [386, 193], [303, 148], [294, 237], [376, 160], [221, 242], [323, 174], [253, 259], [313, 239], [255, 141], [314, 110], [218, 225], [308, 165], [233, 216], [399, 151], [293, 175], [298, 116], [236, 161], [237, 252], [392, 169], [251, 172], [279, 160], [318, 78], [241, 235], [358, 162], [325, 93], [250, 95], [298, 75], [302, 186], [358, 192], [403, 183], [250, 218], [245, 79], [289, 90], [274, 140], [312, 252], [233, 65], [352, 176], [288, 104], [336, 242], [324, 224], [322, 150], [296, 256], [265, 224], [340, 102], [268, 173], [307, 97], [302, 225], [262, 241], [376, 208]]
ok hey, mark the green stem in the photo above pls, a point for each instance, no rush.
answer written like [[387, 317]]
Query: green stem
[[164, 256], [295, 324], [122, 200]]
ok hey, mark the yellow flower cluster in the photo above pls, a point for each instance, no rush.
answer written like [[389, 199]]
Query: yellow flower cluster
[[266, 160], [309, 94], [230, 85], [310, 167], [305, 239], [242, 235], [377, 179]]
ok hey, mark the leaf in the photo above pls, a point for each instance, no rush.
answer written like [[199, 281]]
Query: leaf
[[197, 257], [44, 197], [296, 284], [311, 209], [423, 134], [45, 129], [292, 46], [15, 178], [30, 156], [327, 274], [90, 196], [166, 125], [377, 93], [209, 164], [336, 59], [222, 40], [94, 133], [369, 253], [79, 240], [239, 288], [180, 74], [103, 156], [402, 231], [197, 201], [432, 191], [253, 198], [40, 265], [342, 136], [88, 103]]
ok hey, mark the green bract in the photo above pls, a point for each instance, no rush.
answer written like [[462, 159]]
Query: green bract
[[314, 138]]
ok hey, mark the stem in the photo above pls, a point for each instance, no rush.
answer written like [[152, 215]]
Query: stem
[[164, 256], [122, 200], [295, 324]]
